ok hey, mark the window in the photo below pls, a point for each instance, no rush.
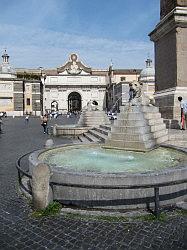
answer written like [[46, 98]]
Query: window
[[123, 79], [28, 102]]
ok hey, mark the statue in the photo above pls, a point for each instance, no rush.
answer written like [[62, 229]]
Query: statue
[[92, 105], [137, 96], [74, 69]]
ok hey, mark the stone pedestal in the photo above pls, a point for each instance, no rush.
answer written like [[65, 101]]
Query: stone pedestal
[[170, 38], [138, 128]]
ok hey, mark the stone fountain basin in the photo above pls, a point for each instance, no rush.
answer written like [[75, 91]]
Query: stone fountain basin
[[111, 198]]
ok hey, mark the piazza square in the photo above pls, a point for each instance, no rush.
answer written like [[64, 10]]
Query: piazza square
[[93, 140]]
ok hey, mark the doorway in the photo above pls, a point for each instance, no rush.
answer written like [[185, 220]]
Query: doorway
[[74, 102]]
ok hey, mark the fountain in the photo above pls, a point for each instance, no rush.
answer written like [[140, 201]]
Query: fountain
[[122, 172]]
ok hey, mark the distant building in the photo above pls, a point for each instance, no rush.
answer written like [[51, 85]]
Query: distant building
[[20, 93], [71, 86], [66, 88], [118, 86], [147, 77]]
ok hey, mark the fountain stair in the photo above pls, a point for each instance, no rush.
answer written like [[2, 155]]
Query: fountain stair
[[137, 128], [177, 138], [96, 134]]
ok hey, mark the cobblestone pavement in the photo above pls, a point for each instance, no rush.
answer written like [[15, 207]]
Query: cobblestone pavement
[[18, 230]]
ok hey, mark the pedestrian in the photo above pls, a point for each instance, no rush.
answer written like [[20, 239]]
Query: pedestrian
[[183, 106], [1, 123], [131, 92], [27, 119], [44, 121]]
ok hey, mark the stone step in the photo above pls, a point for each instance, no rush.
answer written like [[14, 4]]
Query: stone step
[[148, 109], [136, 145], [107, 127], [102, 137], [130, 123], [161, 139], [130, 116], [130, 129], [179, 136], [132, 137], [145, 109], [158, 127], [160, 133], [91, 137], [102, 130], [177, 143], [152, 115], [83, 139], [153, 122], [92, 124]]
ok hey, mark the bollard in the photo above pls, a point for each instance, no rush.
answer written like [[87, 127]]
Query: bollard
[[49, 143], [41, 191]]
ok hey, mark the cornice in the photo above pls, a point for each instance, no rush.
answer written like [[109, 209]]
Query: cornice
[[176, 18]]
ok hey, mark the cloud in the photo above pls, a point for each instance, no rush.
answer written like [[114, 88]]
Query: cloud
[[34, 47]]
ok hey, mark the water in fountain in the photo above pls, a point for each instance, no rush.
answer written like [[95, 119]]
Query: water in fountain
[[98, 159]]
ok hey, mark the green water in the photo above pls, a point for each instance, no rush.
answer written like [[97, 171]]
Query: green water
[[97, 159]]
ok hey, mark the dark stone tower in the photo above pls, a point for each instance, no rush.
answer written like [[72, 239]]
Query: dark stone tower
[[170, 38]]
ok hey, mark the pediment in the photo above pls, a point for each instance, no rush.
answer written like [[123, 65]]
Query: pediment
[[74, 66]]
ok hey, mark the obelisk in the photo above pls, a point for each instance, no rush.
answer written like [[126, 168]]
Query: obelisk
[[170, 40]]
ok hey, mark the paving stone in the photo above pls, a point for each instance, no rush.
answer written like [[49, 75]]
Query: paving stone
[[18, 230]]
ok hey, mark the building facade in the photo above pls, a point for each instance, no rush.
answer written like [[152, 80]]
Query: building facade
[[20, 93], [66, 88], [71, 86], [118, 86]]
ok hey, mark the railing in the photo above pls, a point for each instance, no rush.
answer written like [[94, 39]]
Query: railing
[[155, 198]]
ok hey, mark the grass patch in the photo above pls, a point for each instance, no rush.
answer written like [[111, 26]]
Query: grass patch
[[96, 217], [51, 210], [151, 217], [182, 212]]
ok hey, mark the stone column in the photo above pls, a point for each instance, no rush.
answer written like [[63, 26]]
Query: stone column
[[41, 191], [170, 38]]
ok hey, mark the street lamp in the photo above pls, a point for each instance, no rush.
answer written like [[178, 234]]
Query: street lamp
[[42, 90]]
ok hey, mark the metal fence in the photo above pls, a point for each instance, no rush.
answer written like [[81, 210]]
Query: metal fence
[[156, 187]]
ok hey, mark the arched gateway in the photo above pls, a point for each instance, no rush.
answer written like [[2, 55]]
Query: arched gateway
[[74, 102]]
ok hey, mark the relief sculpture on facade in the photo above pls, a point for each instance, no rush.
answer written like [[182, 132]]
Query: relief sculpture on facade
[[74, 68]]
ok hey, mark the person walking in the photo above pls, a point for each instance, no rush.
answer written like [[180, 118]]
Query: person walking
[[44, 121], [1, 123], [183, 106], [27, 119]]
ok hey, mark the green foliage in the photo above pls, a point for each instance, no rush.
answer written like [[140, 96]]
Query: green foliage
[[151, 217], [182, 212], [96, 217], [51, 210]]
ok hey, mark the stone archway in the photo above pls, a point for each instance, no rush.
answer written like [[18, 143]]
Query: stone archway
[[74, 102]]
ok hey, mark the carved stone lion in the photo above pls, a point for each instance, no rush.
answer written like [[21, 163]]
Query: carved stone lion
[[139, 98]]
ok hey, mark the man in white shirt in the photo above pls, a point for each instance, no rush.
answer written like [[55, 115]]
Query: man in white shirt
[[183, 105]]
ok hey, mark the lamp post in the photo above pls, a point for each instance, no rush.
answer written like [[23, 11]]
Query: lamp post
[[42, 90]]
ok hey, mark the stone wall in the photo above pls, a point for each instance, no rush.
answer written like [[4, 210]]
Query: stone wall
[[165, 62], [181, 56], [168, 5], [18, 101]]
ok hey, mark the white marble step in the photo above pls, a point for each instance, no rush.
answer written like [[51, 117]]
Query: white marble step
[[91, 137], [83, 139], [99, 136]]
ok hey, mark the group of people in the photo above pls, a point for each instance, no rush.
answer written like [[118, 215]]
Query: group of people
[[183, 106]]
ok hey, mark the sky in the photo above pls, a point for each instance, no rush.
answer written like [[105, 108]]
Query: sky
[[43, 33]]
